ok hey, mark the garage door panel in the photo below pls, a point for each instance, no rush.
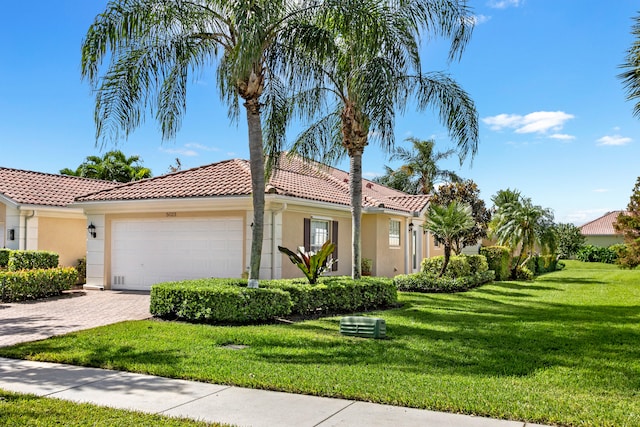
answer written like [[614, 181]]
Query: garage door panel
[[145, 252]]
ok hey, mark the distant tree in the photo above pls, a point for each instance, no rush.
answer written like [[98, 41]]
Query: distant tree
[[569, 239], [631, 76], [448, 223], [420, 170], [397, 179], [466, 192], [177, 166], [112, 166], [520, 223], [628, 223]]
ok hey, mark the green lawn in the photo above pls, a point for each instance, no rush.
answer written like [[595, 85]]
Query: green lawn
[[19, 410], [564, 349]]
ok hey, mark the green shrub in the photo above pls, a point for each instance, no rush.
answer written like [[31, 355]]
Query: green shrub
[[477, 263], [498, 259], [31, 284], [30, 260], [81, 266], [4, 257], [425, 282], [591, 253], [458, 266], [523, 273], [213, 301]]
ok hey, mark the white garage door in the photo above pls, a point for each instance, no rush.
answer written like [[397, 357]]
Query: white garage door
[[145, 251]]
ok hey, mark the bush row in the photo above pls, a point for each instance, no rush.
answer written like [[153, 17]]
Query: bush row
[[590, 253], [459, 266], [15, 260], [230, 301], [540, 264], [31, 284], [426, 282], [499, 260]]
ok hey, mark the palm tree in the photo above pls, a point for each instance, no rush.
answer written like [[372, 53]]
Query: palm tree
[[398, 179], [154, 46], [448, 223], [372, 70], [521, 223], [422, 164], [112, 166], [631, 76]]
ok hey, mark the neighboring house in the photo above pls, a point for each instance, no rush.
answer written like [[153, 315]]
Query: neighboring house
[[35, 212], [600, 231], [197, 223]]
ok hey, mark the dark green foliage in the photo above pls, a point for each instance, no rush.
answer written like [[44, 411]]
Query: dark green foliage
[[499, 260], [312, 264], [32, 284], [569, 240], [426, 282], [4, 257], [227, 300], [212, 301], [112, 166], [29, 260], [458, 266], [337, 294], [628, 223], [477, 263], [591, 253], [523, 273], [81, 266]]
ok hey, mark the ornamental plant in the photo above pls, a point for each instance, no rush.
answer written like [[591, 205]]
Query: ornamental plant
[[312, 264]]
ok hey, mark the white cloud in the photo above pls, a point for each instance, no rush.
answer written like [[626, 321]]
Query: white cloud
[[562, 136], [536, 122], [503, 4], [371, 175], [180, 151], [614, 140], [583, 216], [480, 19], [601, 190], [197, 146]]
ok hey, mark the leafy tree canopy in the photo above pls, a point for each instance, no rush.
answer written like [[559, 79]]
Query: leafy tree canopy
[[628, 223], [569, 239], [112, 166], [466, 192]]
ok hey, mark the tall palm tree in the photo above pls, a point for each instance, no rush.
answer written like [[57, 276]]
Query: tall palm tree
[[112, 166], [448, 223], [370, 72], [153, 46], [422, 163], [631, 76]]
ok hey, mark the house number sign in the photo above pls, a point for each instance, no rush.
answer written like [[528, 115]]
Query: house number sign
[[171, 214]]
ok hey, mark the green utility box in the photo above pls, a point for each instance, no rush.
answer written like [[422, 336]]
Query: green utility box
[[366, 327]]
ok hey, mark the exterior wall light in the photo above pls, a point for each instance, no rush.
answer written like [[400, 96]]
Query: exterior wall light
[[92, 230], [12, 234], [410, 227]]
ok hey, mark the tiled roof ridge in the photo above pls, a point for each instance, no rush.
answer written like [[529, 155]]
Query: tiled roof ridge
[[161, 177], [602, 216], [317, 168], [58, 175]]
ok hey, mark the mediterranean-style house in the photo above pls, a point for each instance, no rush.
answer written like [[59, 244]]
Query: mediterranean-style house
[[35, 212], [600, 231], [197, 223]]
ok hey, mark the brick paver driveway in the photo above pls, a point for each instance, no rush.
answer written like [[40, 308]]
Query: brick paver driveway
[[74, 311]]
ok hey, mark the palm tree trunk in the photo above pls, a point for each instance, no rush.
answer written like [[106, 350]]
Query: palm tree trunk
[[355, 188], [447, 257], [256, 161]]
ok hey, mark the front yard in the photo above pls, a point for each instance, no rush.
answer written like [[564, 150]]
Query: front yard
[[560, 350]]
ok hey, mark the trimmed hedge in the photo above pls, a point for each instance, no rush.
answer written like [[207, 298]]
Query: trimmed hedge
[[425, 282], [591, 253], [337, 294], [213, 301], [230, 301], [541, 264], [499, 260], [4, 257], [32, 284], [31, 260]]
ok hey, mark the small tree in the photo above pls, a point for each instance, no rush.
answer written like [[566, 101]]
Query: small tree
[[628, 223], [312, 264], [466, 192], [569, 239], [448, 223]]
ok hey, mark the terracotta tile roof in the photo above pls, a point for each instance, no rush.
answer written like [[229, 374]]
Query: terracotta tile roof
[[602, 226], [293, 177], [37, 188]]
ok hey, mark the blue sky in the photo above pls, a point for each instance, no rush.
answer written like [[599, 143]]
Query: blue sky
[[554, 121]]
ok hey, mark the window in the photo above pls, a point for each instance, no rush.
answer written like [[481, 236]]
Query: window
[[319, 234], [394, 232]]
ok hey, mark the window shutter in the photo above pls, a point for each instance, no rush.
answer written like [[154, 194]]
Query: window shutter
[[307, 234], [334, 240]]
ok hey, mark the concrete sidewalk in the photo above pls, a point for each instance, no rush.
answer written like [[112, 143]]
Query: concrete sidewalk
[[216, 403]]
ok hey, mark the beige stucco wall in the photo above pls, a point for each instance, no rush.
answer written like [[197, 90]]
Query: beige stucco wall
[[604, 241], [387, 260], [293, 236], [64, 236], [3, 225]]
